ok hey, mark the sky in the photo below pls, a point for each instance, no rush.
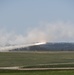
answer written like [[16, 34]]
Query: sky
[[26, 21]]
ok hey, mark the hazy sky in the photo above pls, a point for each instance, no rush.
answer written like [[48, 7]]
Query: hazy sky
[[21, 16]]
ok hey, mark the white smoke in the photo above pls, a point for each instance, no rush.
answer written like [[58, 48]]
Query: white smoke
[[47, 32]]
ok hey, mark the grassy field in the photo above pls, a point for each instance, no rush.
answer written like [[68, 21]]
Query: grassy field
[[39, 60], [69, 72], [35, 58]]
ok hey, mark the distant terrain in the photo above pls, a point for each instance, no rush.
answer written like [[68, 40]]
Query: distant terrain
[[48, 47]]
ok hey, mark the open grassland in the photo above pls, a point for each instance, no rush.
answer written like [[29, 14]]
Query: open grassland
[[36, 58], [16, 72]]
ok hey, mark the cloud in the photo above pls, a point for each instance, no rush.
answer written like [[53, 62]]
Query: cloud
[[49, 32]]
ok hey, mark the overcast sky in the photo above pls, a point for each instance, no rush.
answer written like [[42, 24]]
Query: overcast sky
[[21, 16]]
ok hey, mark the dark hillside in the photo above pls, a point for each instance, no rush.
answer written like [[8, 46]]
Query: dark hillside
[[48, 47]]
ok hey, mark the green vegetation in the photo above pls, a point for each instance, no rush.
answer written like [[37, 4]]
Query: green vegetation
[[16, 72], [50, 66], [35, 58]]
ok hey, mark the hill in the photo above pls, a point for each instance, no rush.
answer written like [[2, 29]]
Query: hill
[[48, 47]]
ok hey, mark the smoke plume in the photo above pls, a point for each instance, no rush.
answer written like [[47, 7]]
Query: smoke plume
[[45, 32]]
